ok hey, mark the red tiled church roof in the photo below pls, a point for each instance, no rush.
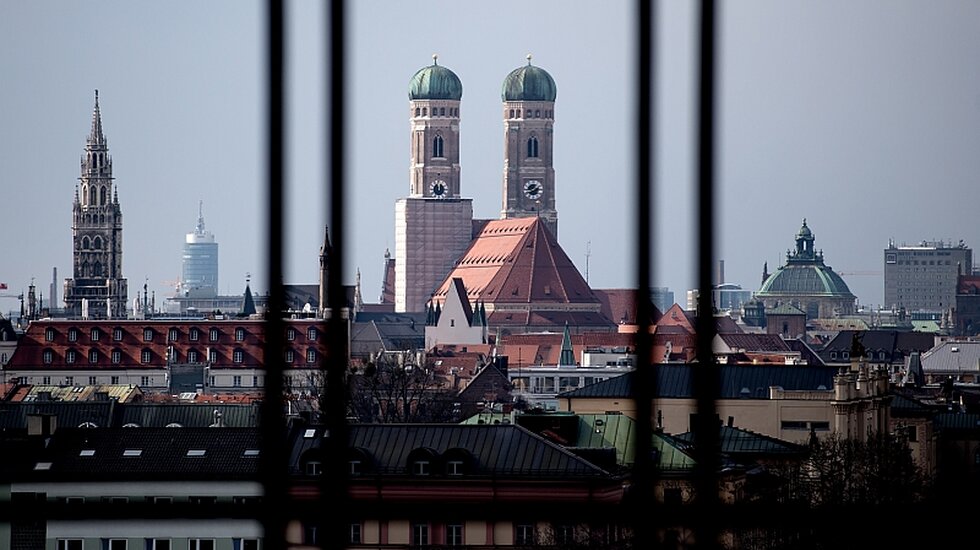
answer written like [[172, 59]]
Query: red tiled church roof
[[518, 261]]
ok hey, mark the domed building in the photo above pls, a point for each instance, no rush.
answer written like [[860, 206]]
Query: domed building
[[807, 283], [528, 95]]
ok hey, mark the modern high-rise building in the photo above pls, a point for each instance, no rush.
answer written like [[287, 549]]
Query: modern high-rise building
[[97, 288], [923, 277], [529, 95], [433, 225], [199, 262]]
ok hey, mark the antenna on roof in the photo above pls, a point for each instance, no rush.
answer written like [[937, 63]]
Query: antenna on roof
[[588, 253]]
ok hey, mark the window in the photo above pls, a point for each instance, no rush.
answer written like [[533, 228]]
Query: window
[[116, 357], [238, 356], [311, 355], [420, 534], [160, 500], [196, 453], [47, 357], [145, 356], [148, 335], [213, 333], [70, 544], [236, 381], [313, 467], [289, 356], [200, 544], [354, 536], [290, 333], [239, 334], [92, 380], [532, 147], [192, 356], [69, 380], [158, 544], [73, 334], [354, 467], [172, 335], [117, 334], [213, 356], [113, 379], [49, 335], [203, 500], [46, 380], [144, 381], [454, 534], [194, 334], [247, 544], [524, 534], [132, 452], [564, 534], [93, 356], [420, 467], [311, 334], [454, 467], [437, 146], [70, 356]]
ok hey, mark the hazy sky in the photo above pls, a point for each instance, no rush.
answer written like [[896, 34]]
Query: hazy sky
[[863, 117]]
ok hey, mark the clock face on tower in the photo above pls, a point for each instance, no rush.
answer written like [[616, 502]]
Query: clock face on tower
[[438, 189], [533, 189]]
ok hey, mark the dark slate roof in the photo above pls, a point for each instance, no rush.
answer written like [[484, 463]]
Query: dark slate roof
[[738, 442], [952, 356], [755, 342], [957, 422], [189, 415], [895, 343], [676, 381], [806, 352], [13, 415], [163, 456], [504, 450]]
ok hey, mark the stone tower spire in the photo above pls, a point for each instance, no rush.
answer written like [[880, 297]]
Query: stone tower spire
[[325, 250], [528, 96], [96, 233]]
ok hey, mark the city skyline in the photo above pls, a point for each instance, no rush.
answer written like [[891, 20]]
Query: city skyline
[[861, 118]]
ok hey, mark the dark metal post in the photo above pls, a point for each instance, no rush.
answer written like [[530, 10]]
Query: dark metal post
[[273, 457], [706, 372]]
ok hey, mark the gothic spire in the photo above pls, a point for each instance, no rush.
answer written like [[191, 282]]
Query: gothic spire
[[96, 136], [567, 356]]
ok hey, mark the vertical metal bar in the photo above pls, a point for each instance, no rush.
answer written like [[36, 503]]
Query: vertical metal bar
[[706, 372], [643, 388], [333, 493], [273, 459]]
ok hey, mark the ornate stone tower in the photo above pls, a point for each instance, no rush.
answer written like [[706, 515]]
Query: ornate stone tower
[[97, 288], [434, 93], [433, 225], [529, 175]]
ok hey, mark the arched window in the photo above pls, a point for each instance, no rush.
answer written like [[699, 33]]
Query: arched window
[[437, 146], [84, 269], [91, 196], [85, 243], [532, 147], [511, 113], [97, 243], [442, 111], [102, 196], [425, 112], [97, 269], [416, 111]]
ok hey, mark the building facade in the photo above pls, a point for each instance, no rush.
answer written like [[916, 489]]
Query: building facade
[[924, 277], [199, 262], [97, 288]]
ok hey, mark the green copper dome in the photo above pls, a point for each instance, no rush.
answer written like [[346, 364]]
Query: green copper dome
[[805, 273], [435, 82], [529, 83]]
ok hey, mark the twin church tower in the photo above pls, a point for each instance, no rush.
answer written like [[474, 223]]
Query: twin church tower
[[434, 225]]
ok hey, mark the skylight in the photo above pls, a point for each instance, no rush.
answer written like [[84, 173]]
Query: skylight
[[42, 466], [195, 452], [87, 452], [309, 433], [250, 453], [132, 452]]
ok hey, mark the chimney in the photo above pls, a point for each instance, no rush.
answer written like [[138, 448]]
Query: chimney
[[721, 272]]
